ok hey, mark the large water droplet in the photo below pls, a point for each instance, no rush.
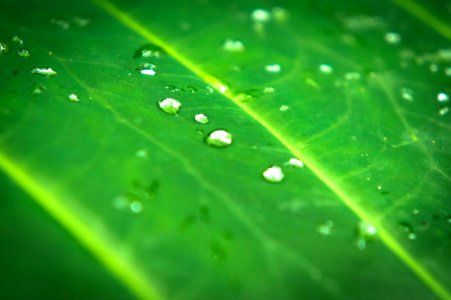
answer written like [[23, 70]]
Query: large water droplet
[[147, 69], [170, 106], [201, 119], [273, 68], [326, 228], [3, 48], [260, 15], [392, 38], [23, 53], [273, 174], [149, 51], [47, 72], [365, 233], [233, 45], [442, 97], [73, 98], [219, 138]]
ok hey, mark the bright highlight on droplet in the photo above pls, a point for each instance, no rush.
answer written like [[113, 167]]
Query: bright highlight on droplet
[[392, 38], [73, 98], [442, 97], [365, 233], [219, 138], [201, 119], [260, 15], [3, 48], [170, 106], [273, 174], [233, 45], [280, 14], [326, 69], [47, 72], [443, 111], [273, 68], [407, 94], [284, 108], [147, 69], [295, 163], [23, 53]]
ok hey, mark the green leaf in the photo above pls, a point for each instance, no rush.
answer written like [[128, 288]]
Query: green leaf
[[110, 193]]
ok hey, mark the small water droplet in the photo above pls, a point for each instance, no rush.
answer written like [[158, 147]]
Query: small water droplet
[[210, 90], [352, 76], [81, 22], [284, 108], [326, 228], [280, 14], [408, 229], [443, 111], [23, 53], [268, 90], [47, 72], [273, 174], [219, 138], [172, 88], [4, 49], [243, 97], [233, 45], [326, 69], [201, 118], [136, 207], [38, 89], [433, 68], [407, 94], [448, 71], [392, 38], [142, 153], [73, 98], [149, 51], [170, 106], [191, 89], [260, 15], [273, 68], [218, 252], [16, 39], [60, 23], [295, 163], [365, 233], [147, 69], [442, 97]]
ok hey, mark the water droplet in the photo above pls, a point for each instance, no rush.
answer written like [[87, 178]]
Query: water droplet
[[60, 23], [448, 71], [273, 174], [47, 72], [142, 153], [23, 53], [172, 88], [136, 207], [17, 40], [268, 90], [73, 98], [201, 119], [233, 45], [210, 90], [3, 48], [147, 69], [326, 228], [280, 14], [326, 69], [149, 51], [170, 106], [295, 163], [284, 108], [273, 68], [392, 38], [38, 89], [352, 76], [219, 138], [443, 111], [260, 15], [442, 97], [365, 233], [243, 97], [407, 94], [379, 187], [191, 89], [81, 22], [218, 252], [120, 202], [433, 68], [408, 229]]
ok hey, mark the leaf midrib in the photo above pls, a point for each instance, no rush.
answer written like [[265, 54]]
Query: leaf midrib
[[320, 172]]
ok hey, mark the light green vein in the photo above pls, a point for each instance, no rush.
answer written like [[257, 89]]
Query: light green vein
[[421, 13], [348, 199], [101, 248]]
